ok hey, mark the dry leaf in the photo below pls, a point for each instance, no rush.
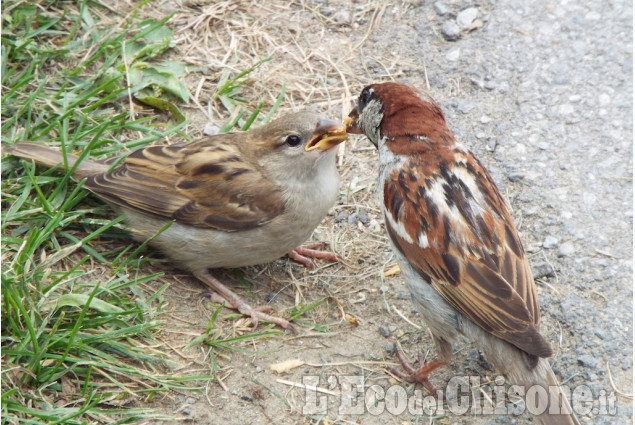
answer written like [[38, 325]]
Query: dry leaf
[[392, 270], [286, 365], [351, 319]]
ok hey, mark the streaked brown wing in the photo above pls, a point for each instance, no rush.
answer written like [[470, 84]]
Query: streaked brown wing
[[457, 233], [207, 183]]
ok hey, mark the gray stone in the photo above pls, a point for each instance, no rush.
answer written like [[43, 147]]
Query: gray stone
[[566, 250], [466, 17], [550, 242], [465, 107], [515, 176], [342, 16], [450, 31], [441, 8], [384, 332], [210, 129], [341, 216], [542, 269], [327, 10], [588, 361]]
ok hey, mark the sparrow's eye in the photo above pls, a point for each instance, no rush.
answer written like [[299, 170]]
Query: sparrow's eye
[[365, 96], [293, 140]]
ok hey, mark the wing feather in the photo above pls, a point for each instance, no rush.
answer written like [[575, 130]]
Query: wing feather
[[207, 184], [473, 256]]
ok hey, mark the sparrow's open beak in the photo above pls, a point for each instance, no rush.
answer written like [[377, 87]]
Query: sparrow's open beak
[[327, 134], [351, 122]]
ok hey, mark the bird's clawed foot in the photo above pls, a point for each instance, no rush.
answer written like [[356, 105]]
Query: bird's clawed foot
[[304, 253], [419, 375], [222, 294]]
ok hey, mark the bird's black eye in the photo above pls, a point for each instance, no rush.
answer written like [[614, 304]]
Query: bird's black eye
[[365, 97], [293, 140]]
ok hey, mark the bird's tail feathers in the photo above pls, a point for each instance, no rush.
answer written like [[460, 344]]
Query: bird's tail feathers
[[561, 411], [50, 157]]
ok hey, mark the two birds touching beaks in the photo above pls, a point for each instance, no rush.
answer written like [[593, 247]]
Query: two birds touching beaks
[[247, 198]]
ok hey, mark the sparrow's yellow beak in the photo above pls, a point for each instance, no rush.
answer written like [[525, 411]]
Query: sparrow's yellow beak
[[351, 122], [327, 134]]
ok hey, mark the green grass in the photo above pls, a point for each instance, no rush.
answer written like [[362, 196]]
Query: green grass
[[77, 341]]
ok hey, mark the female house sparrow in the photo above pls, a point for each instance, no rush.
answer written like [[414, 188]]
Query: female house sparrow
[[236, 199], [455, 241]]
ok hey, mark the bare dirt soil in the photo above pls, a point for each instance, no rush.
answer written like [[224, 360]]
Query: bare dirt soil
[[541, 91]]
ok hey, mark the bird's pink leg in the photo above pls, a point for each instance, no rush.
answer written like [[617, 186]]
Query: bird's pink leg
[[224, 294], [302, 253]]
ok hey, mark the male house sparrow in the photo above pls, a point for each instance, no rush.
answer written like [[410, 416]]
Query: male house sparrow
[[237, 199], [455, 241]]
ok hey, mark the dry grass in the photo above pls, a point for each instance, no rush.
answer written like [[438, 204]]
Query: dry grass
[[215, 37]]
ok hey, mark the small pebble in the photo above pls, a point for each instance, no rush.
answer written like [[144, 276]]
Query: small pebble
[[327, 10], [343, 16], [542, 269], [384, 332], [341, 216], [588, 361], [210, 129], [441, 8], [550, 242], [374, 226], [466, 17], [363, 215], [390, 347], [450, 31], [191, 400], [515, 176], [600, 334], [566, 250], [465, 107]]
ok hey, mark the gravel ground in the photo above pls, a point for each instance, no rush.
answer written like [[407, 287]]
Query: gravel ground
[[542, 93], [544, 97]]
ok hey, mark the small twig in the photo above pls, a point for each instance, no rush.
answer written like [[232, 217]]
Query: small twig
[[623, 394], [307, 387], [272, 391], [607, 254], [370, 27], [405, 318], [351, 363]]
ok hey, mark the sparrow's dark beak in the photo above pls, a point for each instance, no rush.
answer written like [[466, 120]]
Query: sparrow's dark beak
[[351, 122], [327, 134]]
